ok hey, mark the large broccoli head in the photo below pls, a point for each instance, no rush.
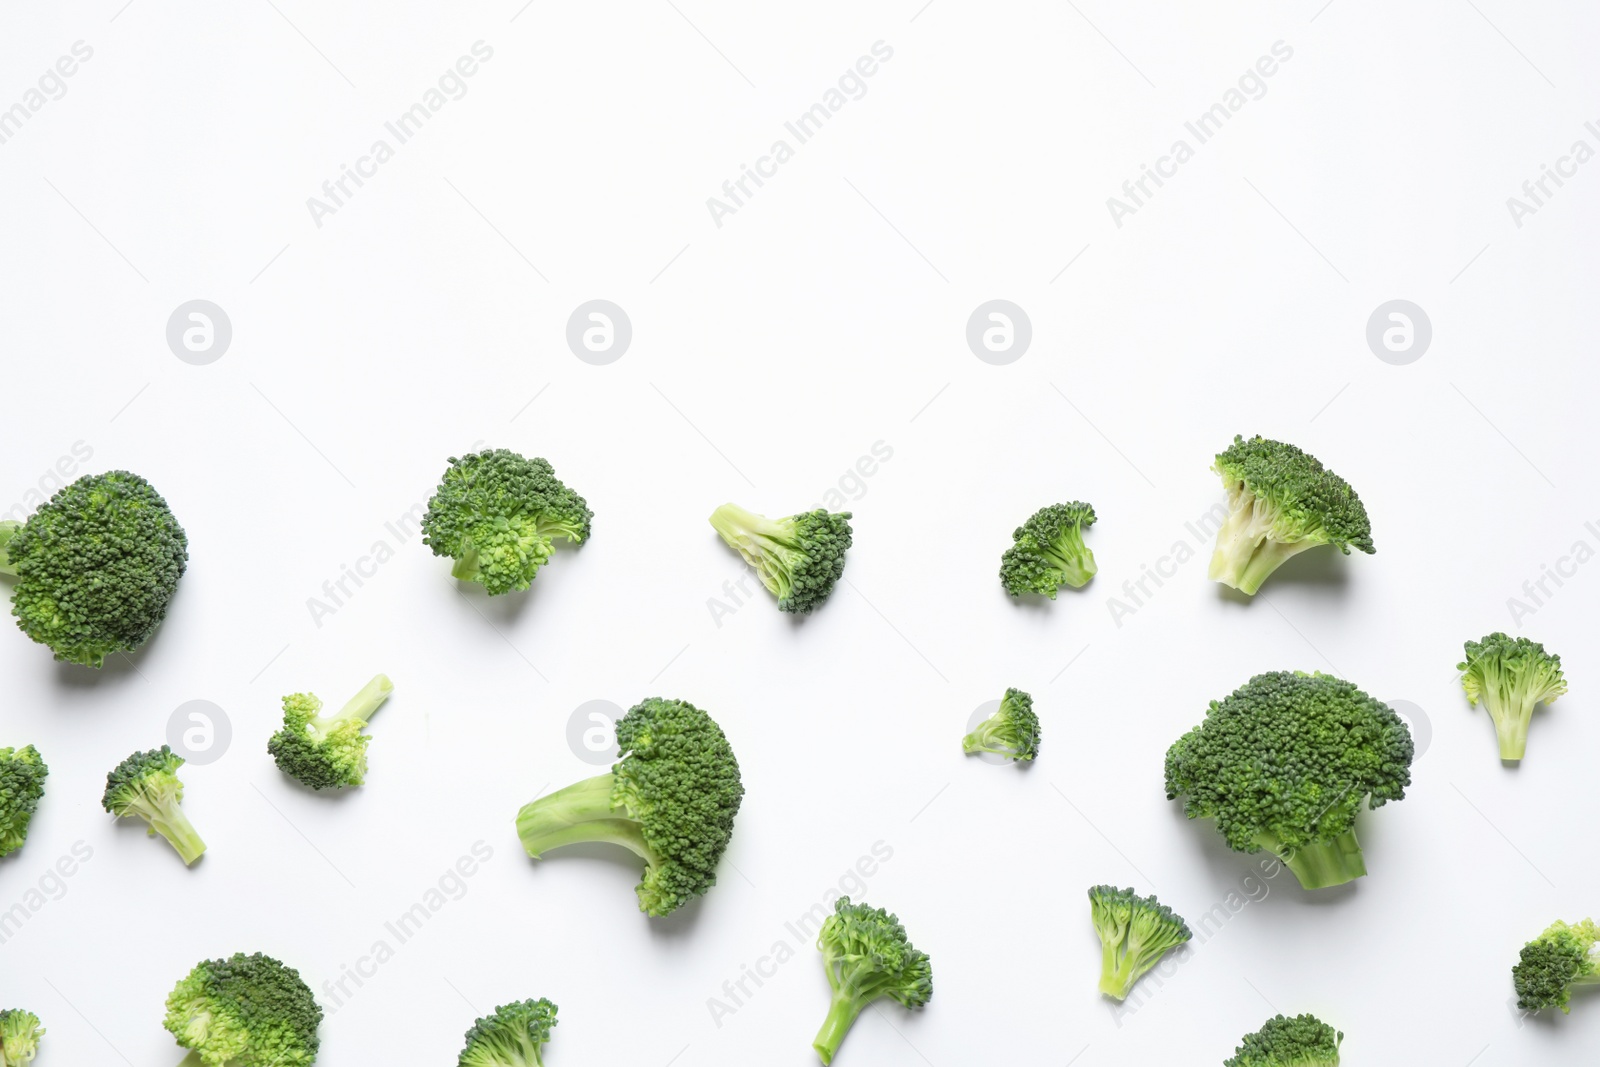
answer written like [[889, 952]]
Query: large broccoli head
[[327, 751], [1303, 1041], [1555, 963], [146, 786], [20, 1032], [1048, 552], [245, 1011], [95, 567], [514, 1036], [22, 775], [1135, 932], [1511, 675], [798, 559], [866, 955], [1012, 731]]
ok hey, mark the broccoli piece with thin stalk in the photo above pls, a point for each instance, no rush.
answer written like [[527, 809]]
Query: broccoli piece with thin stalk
[[798, 559], [497, 514], [327, 751], [1563, 958], [1303, 1041], [245, 1011], [146, 785], [1285, 763], [1135, 932], [1012, 731], [20, 1032], [1048, 552], [1511, 675], [670, 800], [95, 567], [1281, 502], [22, 775], [512, 1037], [866, 955]]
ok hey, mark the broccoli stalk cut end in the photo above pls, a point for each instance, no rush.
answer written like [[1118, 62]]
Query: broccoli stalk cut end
[[1320, 864]]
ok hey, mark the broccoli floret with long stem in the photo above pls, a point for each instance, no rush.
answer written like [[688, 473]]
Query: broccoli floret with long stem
[[866, 955], [1048, 552], [20, 1032], [798, 559], [245, 1011], [1012, 731], [22, 775], [1135, 932], [1563, 958], [1301, 1041], [146, 786], [514, 1036], [327, 751], [1511, 675]]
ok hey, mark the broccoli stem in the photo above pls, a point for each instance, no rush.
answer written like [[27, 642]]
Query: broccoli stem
[[466, 568], [759, 540], [842, 1014], [1076, 569], [581, 813], [8, 530], [1511, 725], [365, 704], [1246, 555], [1268, 558], [1323, 863], [175, 827]]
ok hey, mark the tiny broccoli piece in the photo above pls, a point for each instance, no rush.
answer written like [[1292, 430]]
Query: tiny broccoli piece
[[245, 1011], [20, 1032], [95, 567], [1511, 675], [1048, 552], [327, 751], [146, 785], [866, 955], [512, 1037], [22, 775], [1281, 502], [1012, 731], [670, 800], [1303, 1041], [1135, 932], [497, 514], [1563, 958], [798, 559]]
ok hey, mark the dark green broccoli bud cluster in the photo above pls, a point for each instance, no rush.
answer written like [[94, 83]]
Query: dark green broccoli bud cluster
[[95, 567], [245, 1011], [146, 786], [1135, 932], [1286, 762], [1048, 552], [671, 800], [22, 775], [798, 559], [20, 1032], [497, 514], [866, 955], [1511, 675], [1281, 502], [514, 1036], [327, 751], [1012, 731], [1563, 958], [1303, 1041]]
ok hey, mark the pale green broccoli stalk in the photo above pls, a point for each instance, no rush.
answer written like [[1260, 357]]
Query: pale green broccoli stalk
[[1560, 960], [22, 775], [866, 955], [514, 1036], [1135, 932], [1048, 552], [1511, 675], [245, 1011], [1012, 731], [327, 751], [146, 786], [1303, 1041], [20, 1032], [798, 559]]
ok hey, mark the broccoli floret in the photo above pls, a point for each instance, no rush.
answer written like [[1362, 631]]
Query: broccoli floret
[[866, 955], [1281, 502], [671, 800], [512, 1037], [95, 567], [1510, 675], [1012, 731], [1284, 764], [1303, 1041], [245, 1011], [22, 775], [146, 785], [20, 1032], [1048, 552], [327, 751], [497, 514], [1561, 959], [798, 559], [1135, 932]]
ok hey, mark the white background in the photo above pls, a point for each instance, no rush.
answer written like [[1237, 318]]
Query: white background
[[827, 314]]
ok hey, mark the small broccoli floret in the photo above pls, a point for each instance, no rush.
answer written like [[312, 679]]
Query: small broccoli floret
[[497, 514], [1303, 1041], [1135, 932], [146, 785], [20, 1032], [798, 559], [245, 1011], [95, 567], [1511, 675], [1012, 731], [22, 775], [1561, 959], [1281, 502], [327, 751], [1048, 552], [1285, 763], [512, 1037], [670, 800], [866, 955]]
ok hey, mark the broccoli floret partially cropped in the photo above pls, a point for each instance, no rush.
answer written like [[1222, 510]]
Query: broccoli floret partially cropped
[[146, 785], [327, 751], [1284, 764], [514, 1036], [20, 1032], [866, 955], [95, 567], [1281, 502], [1135, 932], [22, 775], [1048, 552], [497, 514], [1303, 1041], [1511, 675], [671, 800], [1012, 731], [1563, 958], [245, 1011], [798, 559]]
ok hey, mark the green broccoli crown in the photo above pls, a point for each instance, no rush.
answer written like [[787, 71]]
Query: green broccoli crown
[[1555, 963], [20, 1032], [1285, 763], [22, 775], [1511, 676], [671, 800], [798, 559], [866, 955], [327, 751], [1135, 932], [95, 567], [146, 785], [497, 514], [512, 1037], [1303, 1041], [245, 1011], [1048, 552], [1012, 731]]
